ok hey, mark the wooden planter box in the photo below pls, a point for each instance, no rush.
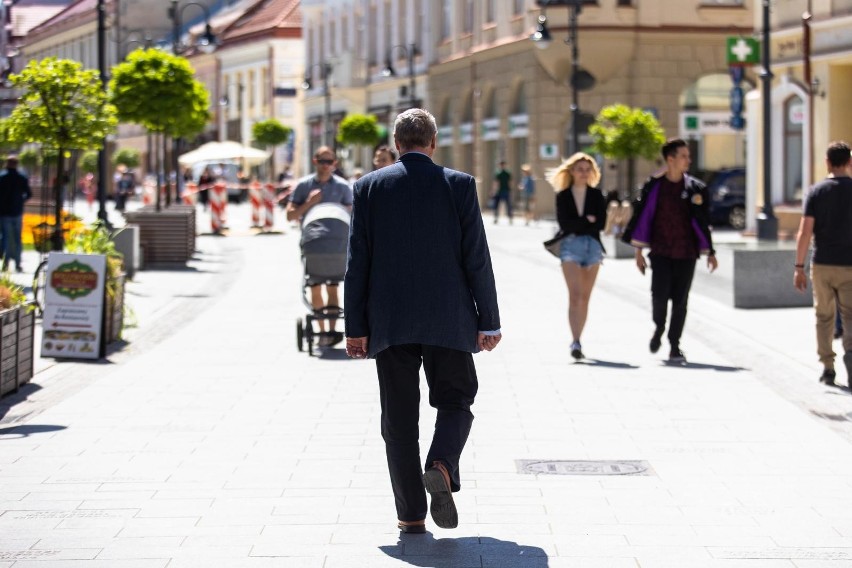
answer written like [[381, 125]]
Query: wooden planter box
[[167, 237], [115, 314], [16, 348]]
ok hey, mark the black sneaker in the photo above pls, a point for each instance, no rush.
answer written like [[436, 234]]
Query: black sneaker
[[676, 356], [576, 350], [828, 375], [656, 340]]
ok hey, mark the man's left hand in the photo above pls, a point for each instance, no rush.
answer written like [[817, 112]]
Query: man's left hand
[[712, 263], [356, 347], [488, 342]]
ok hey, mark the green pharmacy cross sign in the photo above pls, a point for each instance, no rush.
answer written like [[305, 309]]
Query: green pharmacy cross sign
[[742, 51]]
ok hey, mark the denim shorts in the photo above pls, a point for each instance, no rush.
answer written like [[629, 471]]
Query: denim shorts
[[581, 249]]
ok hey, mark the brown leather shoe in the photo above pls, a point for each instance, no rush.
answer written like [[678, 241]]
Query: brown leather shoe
[[412, 527], [443, 509]]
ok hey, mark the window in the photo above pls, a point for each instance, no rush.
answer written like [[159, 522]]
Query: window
[[489, 11], [519, 7], [446, 19], [468, 17], [625, 2], [794, 117]]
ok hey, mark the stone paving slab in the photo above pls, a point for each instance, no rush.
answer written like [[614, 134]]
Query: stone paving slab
[[218, 444]]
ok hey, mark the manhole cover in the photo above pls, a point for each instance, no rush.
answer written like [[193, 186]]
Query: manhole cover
[[585, 467]]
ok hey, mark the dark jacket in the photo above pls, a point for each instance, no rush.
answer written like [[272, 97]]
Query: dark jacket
[[14, 190], [638, 230], [571, 222], [419, 269]]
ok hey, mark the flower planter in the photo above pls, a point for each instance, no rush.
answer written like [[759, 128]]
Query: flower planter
[[16, 348]]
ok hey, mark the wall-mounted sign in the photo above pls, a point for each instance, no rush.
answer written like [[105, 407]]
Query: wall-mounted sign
[[445, 135], [796, 114], [705, 122], [491, 129], [74, 305], [466, 133], [519, 126], [548, 151], [742, 51]]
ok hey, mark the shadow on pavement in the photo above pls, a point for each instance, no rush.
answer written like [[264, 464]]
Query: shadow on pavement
[[608, 364], [424, 550], [14, 398], [27, 430], [720, 368], [329, 354]]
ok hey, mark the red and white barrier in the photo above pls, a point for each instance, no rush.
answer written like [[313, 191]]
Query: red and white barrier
[[218, 201], [268, 206], [190, 193], [255, 198], [149, 191]]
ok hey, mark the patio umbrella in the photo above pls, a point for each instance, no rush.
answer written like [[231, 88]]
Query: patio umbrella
[[222, 152]]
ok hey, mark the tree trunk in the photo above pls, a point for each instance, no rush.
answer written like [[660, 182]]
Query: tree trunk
[[57, 238], [166, 170], [157, 167]]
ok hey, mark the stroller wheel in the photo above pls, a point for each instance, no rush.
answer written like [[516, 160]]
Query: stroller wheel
[[309, 337], [300, 335]]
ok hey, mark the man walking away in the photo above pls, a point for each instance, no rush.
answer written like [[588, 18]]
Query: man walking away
[[671, 218], [502, 191], [827, 215], [14, 191], [420, 291]]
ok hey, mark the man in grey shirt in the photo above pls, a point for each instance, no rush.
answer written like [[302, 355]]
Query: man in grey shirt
[[321, 187]]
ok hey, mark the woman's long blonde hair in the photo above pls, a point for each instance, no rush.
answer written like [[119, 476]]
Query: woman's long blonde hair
[[560, 177]]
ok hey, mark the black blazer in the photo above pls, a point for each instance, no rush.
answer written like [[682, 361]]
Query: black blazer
[[571, 222], [419, 269]]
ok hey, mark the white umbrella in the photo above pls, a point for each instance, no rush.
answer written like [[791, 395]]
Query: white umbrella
[[224, 151]]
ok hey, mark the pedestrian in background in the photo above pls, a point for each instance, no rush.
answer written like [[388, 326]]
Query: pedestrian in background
[[322, 186], [420, 292], [827, 215], [671, 217], [502, 191], [527, 189], [14, 192], [383, 156], [581, 212]]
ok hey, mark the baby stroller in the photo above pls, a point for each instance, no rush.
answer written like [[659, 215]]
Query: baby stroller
[[325, 234]]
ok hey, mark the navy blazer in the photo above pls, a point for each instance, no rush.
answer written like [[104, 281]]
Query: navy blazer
[[419, 269]]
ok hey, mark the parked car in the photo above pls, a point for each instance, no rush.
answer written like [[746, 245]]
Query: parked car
[[726, 189]]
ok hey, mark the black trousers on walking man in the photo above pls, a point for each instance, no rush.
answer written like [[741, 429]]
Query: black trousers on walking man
[[671, 280]]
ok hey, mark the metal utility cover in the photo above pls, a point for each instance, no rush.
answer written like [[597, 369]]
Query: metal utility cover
[[585, 467]]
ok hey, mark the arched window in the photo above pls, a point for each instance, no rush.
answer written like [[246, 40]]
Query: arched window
[[794, 118], [519, 105]]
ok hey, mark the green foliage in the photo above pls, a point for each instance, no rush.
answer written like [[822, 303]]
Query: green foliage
[[89, 162], [5, 144], [29, 159], [159, 91], [127, 157], [622, 132], [359, 129], [62, 106], [270, 132]]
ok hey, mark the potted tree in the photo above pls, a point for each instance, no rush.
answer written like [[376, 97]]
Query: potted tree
[[359, 130], [17, 325], [270, 133]]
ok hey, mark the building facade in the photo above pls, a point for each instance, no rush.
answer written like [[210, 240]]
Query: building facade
[[811, 64], [497, 96]]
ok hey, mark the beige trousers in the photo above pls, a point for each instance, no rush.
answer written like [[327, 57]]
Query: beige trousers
[[831, 283]]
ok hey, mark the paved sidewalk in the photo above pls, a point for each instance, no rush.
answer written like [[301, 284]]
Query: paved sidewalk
[[216, 443]]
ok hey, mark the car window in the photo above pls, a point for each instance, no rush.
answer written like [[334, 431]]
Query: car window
[[736, 184]]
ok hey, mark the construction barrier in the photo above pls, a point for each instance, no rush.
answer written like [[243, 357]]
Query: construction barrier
[[149, 191], [190, 193], [218, 195], [255, 197], [269, 206]]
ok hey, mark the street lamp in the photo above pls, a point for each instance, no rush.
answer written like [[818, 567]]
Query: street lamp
[[767, 223], [580, 79], [308, 84], [410, 52]]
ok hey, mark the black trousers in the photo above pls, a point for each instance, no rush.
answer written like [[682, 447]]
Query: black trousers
[[451, 377], [671, 279]]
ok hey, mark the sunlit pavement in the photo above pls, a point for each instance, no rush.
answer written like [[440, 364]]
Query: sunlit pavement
[[209, 440]]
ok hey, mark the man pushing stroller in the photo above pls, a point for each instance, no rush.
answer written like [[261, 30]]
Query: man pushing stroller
[[322, 186]]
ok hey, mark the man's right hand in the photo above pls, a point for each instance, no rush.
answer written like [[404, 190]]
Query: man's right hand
[[314, 197], [800, 280], [488, 342], [640, 261]]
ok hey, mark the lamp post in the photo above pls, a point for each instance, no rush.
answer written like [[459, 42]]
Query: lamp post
[[206, 43], [767, 223], [102, 155], [410, 52], [579, 79], [325, 72]]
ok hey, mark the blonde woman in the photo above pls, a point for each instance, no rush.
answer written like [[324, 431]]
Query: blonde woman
[[581, 213]]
